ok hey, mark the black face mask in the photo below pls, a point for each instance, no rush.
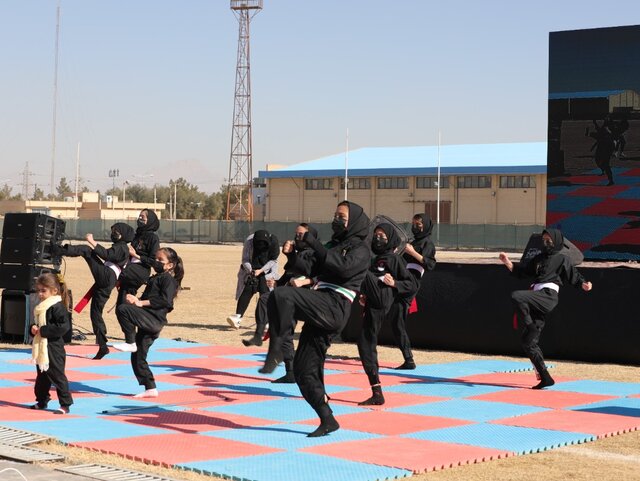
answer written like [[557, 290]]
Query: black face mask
[[379, 245], [338, 225], [158, 267], [547, 246], [416, 230], [141, 223], [301, 245], [115, 237]]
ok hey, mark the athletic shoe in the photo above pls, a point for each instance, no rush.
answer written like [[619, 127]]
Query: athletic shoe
[[234, 321], [125, 347], [147, 393], [62, 410]]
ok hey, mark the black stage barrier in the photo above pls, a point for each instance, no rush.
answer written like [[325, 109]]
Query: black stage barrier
[[467, 308]]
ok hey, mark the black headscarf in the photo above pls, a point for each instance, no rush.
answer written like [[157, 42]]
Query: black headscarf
[[393, 240], [556, 237], [358, 225], [152, 225], [427, 226], [261, 242], [126, 231]]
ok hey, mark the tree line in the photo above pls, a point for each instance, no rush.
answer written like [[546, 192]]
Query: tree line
[[191, 203]]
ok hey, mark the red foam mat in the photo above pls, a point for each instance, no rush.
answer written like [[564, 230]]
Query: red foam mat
[[412, 454], [598, 424], [542, 398], [392, 399], [176, 448]]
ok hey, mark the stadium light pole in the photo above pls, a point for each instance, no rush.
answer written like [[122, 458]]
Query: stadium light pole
[[438, 194], [346, 167]]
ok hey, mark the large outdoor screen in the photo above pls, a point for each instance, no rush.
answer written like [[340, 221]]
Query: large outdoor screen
[[594, 140]]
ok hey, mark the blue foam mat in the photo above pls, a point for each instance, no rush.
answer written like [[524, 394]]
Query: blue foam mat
[[469, 410], [68, 429], [629, 406], [295, 466], [121, 386], [290, 437], [289, 410], [516, 439], [445, 389]]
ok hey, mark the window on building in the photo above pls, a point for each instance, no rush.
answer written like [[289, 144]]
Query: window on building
[[357, 183], [432, 182], [393, 183], [517, 181], [474, 182], [318, 184]]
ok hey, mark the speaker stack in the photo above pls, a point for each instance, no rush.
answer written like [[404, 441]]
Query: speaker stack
[[25, 253]]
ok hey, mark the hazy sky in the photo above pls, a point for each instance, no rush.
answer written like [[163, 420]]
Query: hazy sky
[[146, 86]]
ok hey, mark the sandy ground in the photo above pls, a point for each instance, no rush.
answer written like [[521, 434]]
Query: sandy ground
[[200, 315]]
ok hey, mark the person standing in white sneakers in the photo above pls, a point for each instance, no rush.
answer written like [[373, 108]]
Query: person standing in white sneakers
[[259, 263], [142, 319]]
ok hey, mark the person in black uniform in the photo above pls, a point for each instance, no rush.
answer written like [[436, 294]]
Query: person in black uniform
[[259, 264], [298, 272], [53, 322], [106, 266], [420, 256], [386, 280], [142, 252], [142, 319], [550, 269], [324, 309]]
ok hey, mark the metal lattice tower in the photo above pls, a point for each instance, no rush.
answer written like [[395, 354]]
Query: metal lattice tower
[[239, 194]]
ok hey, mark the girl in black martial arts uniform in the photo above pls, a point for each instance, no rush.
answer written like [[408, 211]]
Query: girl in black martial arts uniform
[[142, 252], [420, 256], [142, 319], [386, 280], [550, 269], [106, 266], [324, 309], [53, 321]]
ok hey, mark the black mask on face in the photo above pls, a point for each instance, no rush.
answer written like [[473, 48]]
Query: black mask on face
[[547, 246], [338, 225], [115, 236], [379, 245], [158, 267], [140, 222], [415, 230], [301, 245]]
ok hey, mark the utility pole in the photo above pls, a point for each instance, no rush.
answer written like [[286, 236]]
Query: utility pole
[[26, 180]]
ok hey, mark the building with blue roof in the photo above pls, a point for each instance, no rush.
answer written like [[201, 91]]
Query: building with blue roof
[[479, 183]]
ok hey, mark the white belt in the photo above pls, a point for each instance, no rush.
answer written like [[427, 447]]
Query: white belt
[[347, 293], [546, 285], [416, 267], [114, 267]]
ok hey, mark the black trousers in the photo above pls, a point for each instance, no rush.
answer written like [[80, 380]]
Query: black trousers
[[325, 313], [56, 376], [398, 314], [262, 319], [379, 299], [105, 280], [532, 308], [133, 276], [142, 327], [247, 293]]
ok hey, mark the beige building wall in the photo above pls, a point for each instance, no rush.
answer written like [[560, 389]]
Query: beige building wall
[[289, 201]]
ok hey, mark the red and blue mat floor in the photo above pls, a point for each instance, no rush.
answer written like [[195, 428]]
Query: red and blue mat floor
[[217, 415]]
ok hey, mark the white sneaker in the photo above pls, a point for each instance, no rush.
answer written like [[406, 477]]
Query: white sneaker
[[234, 321], [125, 347], [147, 393]]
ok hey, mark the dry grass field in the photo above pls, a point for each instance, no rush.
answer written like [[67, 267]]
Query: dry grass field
[[200, 315]]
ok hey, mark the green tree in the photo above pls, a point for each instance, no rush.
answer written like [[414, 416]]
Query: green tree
[[63, 188], [38, 193]]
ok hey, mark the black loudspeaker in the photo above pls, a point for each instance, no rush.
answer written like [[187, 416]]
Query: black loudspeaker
[[25, 251], [32, 226], [16, 315], [21, 277]]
